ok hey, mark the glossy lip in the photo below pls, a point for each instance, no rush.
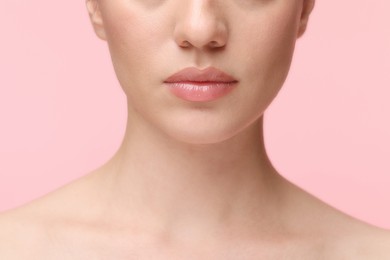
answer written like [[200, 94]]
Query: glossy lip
[[192, 84]]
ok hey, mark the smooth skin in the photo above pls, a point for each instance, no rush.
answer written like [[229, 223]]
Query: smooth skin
[[191, 180]]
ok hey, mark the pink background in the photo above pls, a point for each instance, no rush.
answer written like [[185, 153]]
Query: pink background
[[63, 113]]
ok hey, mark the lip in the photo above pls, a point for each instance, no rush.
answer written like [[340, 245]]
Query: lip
[[192, 84]]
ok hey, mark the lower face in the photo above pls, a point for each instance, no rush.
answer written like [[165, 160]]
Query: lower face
[[258, 47]]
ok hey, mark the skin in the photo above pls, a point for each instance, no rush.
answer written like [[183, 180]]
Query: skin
[[191, 180]]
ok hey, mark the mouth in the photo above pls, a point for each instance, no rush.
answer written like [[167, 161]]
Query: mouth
[[192, 84]]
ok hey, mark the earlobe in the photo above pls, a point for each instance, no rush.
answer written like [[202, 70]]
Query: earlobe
[[96, 18], [307, 8]]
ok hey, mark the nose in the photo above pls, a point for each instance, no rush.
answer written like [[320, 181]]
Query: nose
[[200, 24]]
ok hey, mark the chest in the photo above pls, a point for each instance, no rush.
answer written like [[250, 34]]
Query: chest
[[101, 249]]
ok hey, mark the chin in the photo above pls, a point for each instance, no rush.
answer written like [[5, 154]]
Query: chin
[[200, 139], [201, 134]]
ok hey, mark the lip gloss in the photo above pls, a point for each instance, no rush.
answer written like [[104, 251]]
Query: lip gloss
[[200, 85], [200, 91]]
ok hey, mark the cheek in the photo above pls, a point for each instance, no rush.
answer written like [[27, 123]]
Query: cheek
[[131, 46], [269, 55]]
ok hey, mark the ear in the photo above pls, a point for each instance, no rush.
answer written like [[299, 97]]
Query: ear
[[95, 16], [307, 8]]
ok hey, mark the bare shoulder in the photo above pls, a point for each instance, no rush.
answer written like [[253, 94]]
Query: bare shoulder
[[336, 234], [370, 243], [359, 241], [25, 231], [47, 227], [352, 238], [381, 244], [19, 239], [362, 244]]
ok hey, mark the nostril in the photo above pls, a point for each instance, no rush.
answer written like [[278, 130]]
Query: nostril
[[185, 44], [214, 44]]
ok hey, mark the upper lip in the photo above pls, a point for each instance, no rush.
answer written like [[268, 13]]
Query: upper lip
[[193, 74]]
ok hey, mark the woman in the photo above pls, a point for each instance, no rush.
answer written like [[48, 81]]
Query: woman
[[192, 179]]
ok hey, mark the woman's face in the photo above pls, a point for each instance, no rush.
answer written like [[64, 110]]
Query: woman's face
[[149, 40]]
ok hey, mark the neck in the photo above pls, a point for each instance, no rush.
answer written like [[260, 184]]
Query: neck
[[179, 188]]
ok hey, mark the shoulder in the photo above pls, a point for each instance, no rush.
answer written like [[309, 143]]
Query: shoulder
[[19, 237], [363, 242], [336, 234], [35, 232], [52, 226], [372, 243], [29, 231]]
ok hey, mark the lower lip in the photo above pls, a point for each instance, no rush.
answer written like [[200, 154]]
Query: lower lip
[[200, 91]]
